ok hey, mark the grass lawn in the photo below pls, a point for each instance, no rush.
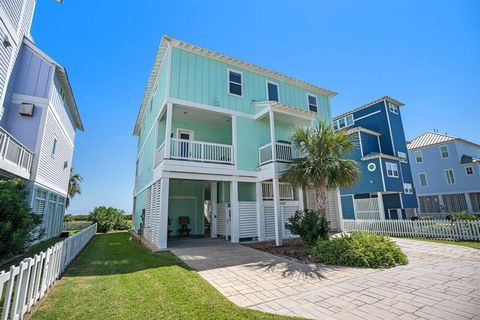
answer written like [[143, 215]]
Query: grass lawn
[[115, 278], [471, 244]]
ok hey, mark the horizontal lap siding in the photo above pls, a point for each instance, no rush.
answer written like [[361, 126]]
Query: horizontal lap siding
[[248, 219], [221, 218], [204, 80]]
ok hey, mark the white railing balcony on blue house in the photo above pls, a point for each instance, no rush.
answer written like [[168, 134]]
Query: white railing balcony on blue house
[[200, 151], [284, 152], [14, 153]]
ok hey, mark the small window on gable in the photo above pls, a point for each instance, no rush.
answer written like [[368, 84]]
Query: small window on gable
[[235, 83], [54, 146], [392, 169], [393, 108], [312, 103], [418, 156], [444, 152], [272, 91], [469, 171]]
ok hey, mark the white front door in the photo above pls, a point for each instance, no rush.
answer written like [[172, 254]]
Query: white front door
[[184, 147]]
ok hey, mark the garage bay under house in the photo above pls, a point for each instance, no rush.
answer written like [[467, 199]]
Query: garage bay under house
[[213, 143]]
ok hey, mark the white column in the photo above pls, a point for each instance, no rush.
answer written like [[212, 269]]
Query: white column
[[235, 216], [380, 205], [272, 135], [469, 203], [168, 129], [164, 185], [213, 202], [339, 209], [441, 204], [278, 214], [301, 205], [234, 141], [260, 212]]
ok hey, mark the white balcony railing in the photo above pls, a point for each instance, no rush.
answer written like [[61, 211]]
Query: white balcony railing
[[201, 151], [13, 151], [284, 151], [285, 191]]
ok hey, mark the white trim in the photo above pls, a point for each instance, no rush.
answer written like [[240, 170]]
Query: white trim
[[233, 121], [453, 176], [278, 89], [360, 142], [441, 153], [190, 133], [383, 177], [387, 113], [392, 166], [367, 115], [420, 180], [229, 81], [207, 107], [308, 102]]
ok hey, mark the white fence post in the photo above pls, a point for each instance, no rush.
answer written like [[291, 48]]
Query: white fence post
[[27, 283]]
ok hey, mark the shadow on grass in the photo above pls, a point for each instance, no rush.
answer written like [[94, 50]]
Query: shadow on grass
[[116, 253]]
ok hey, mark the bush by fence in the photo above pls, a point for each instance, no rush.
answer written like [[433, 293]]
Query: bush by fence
[[24, 285], [435, 229], [76, 225]]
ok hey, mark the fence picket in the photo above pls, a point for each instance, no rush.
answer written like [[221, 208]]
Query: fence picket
[[436, 229], [27, 283]]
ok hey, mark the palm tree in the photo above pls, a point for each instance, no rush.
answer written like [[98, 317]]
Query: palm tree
[[321, 165], [73, 186]]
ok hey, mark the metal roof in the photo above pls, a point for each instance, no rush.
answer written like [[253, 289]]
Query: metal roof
[[432, 138]]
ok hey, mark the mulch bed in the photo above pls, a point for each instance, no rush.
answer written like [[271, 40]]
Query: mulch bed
[[291, 249]]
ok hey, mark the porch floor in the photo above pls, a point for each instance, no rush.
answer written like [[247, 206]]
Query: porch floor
[[441, 281]]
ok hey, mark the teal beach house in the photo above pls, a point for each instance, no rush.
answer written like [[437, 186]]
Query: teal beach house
[[213, 141]]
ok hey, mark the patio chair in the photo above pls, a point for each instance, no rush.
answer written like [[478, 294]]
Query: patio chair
[[184, 221]]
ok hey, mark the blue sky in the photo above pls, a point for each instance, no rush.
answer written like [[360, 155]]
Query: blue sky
[[423, 53]]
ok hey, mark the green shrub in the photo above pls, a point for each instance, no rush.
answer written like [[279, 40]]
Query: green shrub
[[109, 219], [360, 249], [18, 224], [310, 225], [462, 216]]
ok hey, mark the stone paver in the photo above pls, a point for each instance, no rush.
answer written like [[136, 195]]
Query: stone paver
[[440, 282]]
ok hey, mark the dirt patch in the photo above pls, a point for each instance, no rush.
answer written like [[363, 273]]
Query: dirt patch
[[291, 249]]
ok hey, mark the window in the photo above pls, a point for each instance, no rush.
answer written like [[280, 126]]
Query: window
[[469, 171], [407, 188], [450, 176], [402, 155], [392, 169], [235, 84], [54, 146], [312, 103], [423, 179], [272, 91], [444, 152], [393, 108], [418, 156], [343, 122]]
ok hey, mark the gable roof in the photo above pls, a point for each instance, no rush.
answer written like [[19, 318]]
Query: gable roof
[[386, 98], [65, 83], [171, 42], [431, 138]]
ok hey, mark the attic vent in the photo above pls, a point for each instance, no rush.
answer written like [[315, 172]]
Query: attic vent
[[26, 109]]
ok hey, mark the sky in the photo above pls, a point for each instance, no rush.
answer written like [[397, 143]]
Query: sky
[[425, 54]]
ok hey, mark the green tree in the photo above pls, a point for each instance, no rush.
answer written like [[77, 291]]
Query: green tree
[[108, 219], [18, 224], [73, 186], [322, 164]]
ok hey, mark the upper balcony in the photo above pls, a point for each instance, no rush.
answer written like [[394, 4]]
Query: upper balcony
[[284, 152], [15, 158]]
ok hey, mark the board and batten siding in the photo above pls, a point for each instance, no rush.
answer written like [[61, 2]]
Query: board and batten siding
[[204, 80], [62, 109], [51, 168]]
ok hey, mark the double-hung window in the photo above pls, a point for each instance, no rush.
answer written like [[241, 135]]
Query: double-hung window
[[235, 83], [444, 152], [423, 179], [312, 103], [392, 169], [272, 91], [407, 188], [418, 156], [450, 176]]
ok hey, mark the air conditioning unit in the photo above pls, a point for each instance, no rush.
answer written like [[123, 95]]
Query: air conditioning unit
[[26, 109]]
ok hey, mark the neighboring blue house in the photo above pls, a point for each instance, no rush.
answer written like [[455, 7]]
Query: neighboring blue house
[[446, 173], [385, 189]]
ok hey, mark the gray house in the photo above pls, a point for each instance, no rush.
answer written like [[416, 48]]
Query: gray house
[[446, 173], [38, 116]]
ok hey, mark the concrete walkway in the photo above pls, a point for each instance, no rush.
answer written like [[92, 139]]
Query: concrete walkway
[[440, 282]]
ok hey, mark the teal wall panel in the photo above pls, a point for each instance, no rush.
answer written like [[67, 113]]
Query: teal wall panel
[[186, 199], [251, 134], [205, 131], [247, 191], [140, 204]]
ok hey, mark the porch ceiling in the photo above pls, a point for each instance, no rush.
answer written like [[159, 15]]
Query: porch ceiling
[[203, 116]]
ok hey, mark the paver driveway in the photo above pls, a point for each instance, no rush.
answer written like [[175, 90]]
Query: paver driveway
[[440, 282]]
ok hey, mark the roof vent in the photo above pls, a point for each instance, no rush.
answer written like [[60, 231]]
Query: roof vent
[[26, 109]]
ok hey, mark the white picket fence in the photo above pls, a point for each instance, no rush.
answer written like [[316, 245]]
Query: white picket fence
[[24, 285], [436, 229]]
